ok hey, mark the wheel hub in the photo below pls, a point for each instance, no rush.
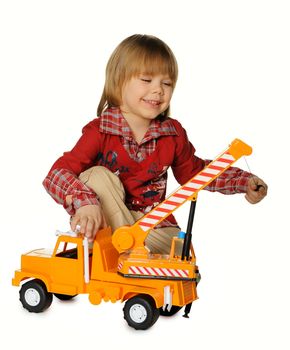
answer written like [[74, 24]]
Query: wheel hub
[[32, 297], [138, 313]]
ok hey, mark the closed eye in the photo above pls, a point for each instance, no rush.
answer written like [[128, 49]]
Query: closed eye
[[146, 80]]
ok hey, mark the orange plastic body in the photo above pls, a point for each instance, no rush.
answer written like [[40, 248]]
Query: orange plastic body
[[65, 275], [119, 266]]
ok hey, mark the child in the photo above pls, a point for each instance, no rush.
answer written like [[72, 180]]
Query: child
[[117, 170]]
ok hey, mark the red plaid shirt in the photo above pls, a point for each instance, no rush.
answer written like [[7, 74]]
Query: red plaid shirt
[[62, 179], [112, 122]]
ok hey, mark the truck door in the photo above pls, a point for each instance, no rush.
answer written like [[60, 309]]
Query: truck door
[[67, 264]]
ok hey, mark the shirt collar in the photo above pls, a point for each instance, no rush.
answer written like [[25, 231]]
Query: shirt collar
[[112, 122]]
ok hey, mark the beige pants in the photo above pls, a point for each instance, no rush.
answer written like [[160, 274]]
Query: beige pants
[[112, 194]]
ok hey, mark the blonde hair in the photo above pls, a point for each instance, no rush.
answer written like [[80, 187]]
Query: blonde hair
[[134, 55]]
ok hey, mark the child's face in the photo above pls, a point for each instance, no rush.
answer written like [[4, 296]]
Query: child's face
[[145, 96]]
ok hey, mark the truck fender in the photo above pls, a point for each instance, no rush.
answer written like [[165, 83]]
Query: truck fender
[[22, 277], [155, 295]]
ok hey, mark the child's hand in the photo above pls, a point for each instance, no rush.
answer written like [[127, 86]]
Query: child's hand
[[256, 191], [90, 218]]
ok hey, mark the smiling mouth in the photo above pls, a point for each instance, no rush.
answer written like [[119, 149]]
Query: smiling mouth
[[152, 102]]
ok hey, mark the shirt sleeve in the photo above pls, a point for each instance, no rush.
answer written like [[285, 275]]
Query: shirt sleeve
[[187, 164], [62, 179], [233, 180]]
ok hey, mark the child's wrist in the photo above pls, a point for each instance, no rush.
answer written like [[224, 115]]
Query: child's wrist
[[82, 199], [75, 201]]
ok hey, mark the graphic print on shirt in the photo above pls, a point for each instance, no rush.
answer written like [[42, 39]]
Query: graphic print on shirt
[[153, 169], [109, 160], [154, 190]]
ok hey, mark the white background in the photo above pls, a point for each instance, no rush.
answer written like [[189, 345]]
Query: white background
[[234, 82]]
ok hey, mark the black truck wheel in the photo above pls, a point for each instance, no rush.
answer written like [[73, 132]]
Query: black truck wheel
[[64, 297], [140, 312], [174, 309], [34, 296]]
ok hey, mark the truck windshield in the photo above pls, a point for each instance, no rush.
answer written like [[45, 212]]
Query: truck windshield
[[67, 250]]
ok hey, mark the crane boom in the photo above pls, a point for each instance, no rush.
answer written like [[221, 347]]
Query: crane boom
[[133, 237]]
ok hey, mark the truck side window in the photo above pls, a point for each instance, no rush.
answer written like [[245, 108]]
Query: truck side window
[[67, 250]]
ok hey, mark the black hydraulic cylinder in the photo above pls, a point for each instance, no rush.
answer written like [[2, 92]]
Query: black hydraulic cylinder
[[187, 238]]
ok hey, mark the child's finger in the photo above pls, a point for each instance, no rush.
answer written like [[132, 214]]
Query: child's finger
[[254, 196], [83, 224], [252, 184], [257, 184], [90, 228], [104, 222], [74, 222], [262, 190], [250, 199]]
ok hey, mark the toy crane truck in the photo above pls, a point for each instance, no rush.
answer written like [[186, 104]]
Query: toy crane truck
[[118, 266]]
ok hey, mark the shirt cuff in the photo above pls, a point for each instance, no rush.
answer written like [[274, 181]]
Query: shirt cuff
[[242, 182], [80, 200]]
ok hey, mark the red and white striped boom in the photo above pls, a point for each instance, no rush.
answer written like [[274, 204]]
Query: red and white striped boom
[[184, 193], [190, 188]]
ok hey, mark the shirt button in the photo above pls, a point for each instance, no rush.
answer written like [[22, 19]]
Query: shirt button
[[139, 154]]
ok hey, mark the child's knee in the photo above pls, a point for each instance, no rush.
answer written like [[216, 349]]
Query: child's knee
[[93, 172], [102, 180]]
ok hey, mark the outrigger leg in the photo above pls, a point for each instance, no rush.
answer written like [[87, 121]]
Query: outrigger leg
[[187, 310]]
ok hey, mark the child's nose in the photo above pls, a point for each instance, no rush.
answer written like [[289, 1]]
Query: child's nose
[[157, 88]]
